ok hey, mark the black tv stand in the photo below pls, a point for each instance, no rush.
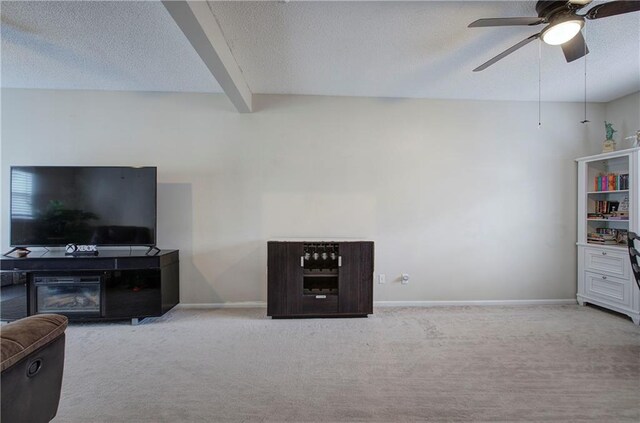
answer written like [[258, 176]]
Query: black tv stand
[[117, 284]]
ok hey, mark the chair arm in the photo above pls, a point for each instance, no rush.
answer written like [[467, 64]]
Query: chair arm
[[22, 337]]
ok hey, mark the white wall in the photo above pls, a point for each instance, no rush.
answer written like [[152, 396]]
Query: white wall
[[470, 198], [624, 113]]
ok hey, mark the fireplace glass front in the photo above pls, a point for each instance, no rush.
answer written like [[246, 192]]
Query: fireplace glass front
[[68, 295]]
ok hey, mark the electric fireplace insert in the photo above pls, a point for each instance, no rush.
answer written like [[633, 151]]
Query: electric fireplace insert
[[76, 295]]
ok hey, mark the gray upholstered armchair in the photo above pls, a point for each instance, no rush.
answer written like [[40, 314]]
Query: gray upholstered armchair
[[32, 364]]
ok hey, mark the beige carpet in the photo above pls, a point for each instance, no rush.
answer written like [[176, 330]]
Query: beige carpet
[[525, 363]]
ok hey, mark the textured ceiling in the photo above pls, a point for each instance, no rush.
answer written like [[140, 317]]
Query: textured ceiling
[[98, 45], [381, 49], [420, 49]]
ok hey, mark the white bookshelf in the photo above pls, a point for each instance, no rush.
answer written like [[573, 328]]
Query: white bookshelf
[[604, 271]]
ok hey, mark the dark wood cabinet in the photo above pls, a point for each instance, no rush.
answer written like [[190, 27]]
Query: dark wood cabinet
[[319, 279], [355, 278], [284, 275]]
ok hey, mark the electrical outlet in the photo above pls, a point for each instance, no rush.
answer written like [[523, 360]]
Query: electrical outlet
[[404, 278], [382, 278]]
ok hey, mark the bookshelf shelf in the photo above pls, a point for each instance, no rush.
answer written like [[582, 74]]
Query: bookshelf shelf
[[608, 189], [607, 220], [618, 246], [617, 191], [614, 247]]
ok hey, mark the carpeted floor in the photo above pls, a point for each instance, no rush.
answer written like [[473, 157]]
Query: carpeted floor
[[524, 363]]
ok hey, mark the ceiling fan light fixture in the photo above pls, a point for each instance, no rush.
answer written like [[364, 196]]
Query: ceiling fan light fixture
[[561, 32]]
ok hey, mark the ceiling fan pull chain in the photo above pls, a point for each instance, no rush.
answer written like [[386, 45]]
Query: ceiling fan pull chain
[[539, 83], [585, 78]]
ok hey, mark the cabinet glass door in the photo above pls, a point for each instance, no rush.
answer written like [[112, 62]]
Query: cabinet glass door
[[67, 298]]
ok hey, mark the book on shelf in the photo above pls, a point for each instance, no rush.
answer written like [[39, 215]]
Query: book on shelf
[[600, 237], [624, 184], [595, 238], [611, 182], [607, 231], [605, 207], [612, 215], [617, 217], [608, 236]]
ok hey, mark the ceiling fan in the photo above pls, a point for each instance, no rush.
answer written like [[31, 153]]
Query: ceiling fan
[[564, 25]]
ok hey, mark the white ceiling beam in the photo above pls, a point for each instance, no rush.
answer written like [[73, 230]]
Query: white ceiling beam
[[198, 24]]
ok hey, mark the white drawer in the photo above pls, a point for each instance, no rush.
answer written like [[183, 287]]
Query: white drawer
[[608, 288], [612, 262]]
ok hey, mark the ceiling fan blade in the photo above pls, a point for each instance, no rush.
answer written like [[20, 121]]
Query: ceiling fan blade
[[506, 22], [580, 3], [612, 8], [506, 52], [575, 48]]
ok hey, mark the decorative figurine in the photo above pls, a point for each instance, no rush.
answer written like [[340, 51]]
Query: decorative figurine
[[609, 144], [635, 139], [609, 130]]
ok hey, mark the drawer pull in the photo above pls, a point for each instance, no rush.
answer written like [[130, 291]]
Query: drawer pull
[[604, 253], [321, 296], [604, 277]]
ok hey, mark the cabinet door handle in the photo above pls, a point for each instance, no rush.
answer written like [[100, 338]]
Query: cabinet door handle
[[604, 277], [604, 253], [301, 261], [339, 261]]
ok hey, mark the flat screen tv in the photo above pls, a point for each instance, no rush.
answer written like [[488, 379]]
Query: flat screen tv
[[110, 206]]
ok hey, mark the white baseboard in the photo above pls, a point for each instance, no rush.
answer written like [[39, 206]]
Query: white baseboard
[[263, 304], [569, 301]]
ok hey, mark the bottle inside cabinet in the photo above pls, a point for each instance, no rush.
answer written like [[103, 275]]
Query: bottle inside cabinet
[[320, 268]]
